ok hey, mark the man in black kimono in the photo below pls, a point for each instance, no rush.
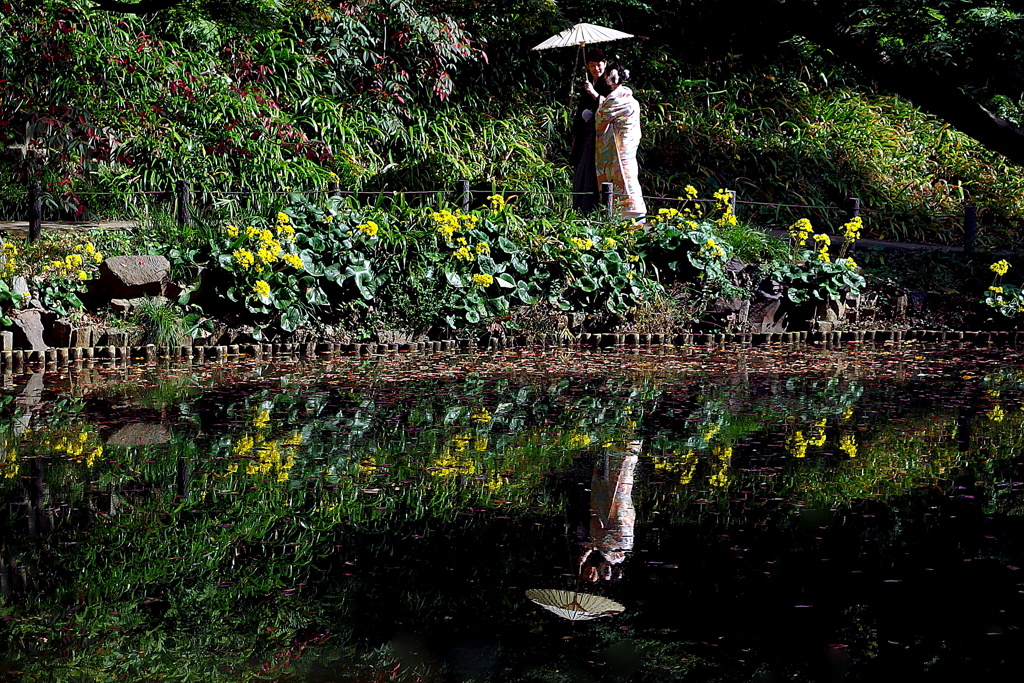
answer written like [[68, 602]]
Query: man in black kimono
[[586, 194]]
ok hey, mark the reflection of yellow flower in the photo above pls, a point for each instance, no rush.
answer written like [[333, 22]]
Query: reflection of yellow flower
[[722, 474], [243, 445], [683, 465], [996, 414], [712, 429], [91, 459], [261, 418], [481, 415], [796, 445], [848, 445], [480, 444], [578, 440]]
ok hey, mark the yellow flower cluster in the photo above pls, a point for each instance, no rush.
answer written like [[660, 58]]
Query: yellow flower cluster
[[269, 252], [580, 244], [498, 203], [848, 445], [449, 223], [463, 254], [293, 260], [9, 252], [261, 289], [800, 231], [997, 290], [244, 258], [711, 249], [265, 456], [664, 215], [231, 231], [823, 241], [609, 243], [851, 264], [481, 415], [725, 203], [483, 280], [1000, 267], [369, 228], [851, 229], [996, 414], [483, 248]]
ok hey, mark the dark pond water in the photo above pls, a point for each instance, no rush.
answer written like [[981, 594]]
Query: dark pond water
[[766, 515]]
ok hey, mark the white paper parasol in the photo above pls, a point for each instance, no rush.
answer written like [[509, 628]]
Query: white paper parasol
[[582, 34]]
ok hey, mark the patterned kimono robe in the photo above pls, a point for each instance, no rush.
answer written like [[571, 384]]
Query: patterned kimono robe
[[618, 136]]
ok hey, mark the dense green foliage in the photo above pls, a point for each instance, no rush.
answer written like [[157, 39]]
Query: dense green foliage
[[399, 95]]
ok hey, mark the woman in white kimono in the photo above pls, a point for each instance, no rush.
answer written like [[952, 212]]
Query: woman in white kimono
[[617, 123]]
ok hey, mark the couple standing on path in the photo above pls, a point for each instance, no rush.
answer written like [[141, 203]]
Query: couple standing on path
[[606, 134]]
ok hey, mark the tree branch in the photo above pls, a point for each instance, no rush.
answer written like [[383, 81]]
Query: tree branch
[[931, 91]]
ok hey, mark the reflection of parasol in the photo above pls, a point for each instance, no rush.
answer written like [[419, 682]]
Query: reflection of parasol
[[572, 605], [581, 34]]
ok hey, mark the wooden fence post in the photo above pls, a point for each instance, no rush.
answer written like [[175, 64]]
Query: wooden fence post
[[184, 200], [732, 201], [852, 208], [970, 228], [463, 194], [333, 189], [608, 200], [35, 210]]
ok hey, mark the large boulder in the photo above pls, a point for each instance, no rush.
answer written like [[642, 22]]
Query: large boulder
[[128, 277]]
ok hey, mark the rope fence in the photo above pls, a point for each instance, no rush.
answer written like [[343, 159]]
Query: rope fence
[[183, 198]]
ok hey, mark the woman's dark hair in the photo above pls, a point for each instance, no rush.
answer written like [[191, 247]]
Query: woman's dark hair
[[621, 68]]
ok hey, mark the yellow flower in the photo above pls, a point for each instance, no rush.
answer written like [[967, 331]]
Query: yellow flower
[[231, 230], [73, 260], [89, 248], [369, 228], [251, 231], [97, 257], [293, 260], [483, 248], [244, 257], [497, 203], [690, 191], [1000, 267], [997, 290], [848, 445], [482, 280], [261, 289], [283, 218], [996, 414], [481, 415], [82, 275]]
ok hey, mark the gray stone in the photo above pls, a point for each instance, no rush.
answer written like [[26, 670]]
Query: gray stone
[[127, 277], [29, 329], [20, 285]]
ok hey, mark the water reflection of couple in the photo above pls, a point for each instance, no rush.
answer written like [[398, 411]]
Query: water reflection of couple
[[609, 537], [606, 135]]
